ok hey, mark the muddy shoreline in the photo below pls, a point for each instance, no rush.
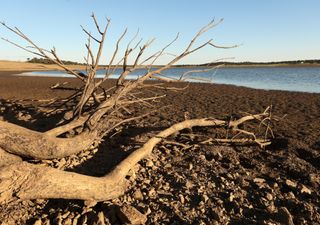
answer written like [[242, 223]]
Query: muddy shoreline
[[243, 184]]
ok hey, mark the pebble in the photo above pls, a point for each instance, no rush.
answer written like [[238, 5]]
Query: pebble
[[291, 183], [38, 222], [259, 180], [269, 196], [129, 214], [305, 190], [152, 192], [138, 195], [202, 157], [181, 197], [231, 197], [149, 163], [205, 198]]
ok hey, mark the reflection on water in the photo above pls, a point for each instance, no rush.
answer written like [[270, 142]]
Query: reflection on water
[[305, 79]]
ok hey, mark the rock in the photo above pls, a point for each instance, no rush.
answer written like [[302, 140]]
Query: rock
[[271, 208], [314, 179], [269, 196], [152, 192], [259, 180], [129, 214], [290, 195], [167, 166], [284, 216], [68, 115], [202, 157], [305, 190], [181, 197], [47, 222], [205, 198], [24, 117], [147, 211], [231, 197], [149, 163], [189, 184], [291, 183], [67, 221], [38, 222], [138, 195]]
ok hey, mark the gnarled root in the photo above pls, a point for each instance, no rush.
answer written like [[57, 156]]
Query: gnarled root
[[27, 181], [32, 144]]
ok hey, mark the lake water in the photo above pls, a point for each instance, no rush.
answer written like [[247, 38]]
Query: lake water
[[302, 79]]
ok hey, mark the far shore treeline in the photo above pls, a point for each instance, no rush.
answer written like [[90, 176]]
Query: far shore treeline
[[311, 62]]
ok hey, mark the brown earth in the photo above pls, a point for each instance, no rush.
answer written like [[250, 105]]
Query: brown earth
[[191, 183], [6, 65]]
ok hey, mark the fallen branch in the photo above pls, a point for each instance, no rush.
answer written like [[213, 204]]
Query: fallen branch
[[27, 181]]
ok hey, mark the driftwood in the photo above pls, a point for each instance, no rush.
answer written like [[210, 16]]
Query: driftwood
[[96, 112]]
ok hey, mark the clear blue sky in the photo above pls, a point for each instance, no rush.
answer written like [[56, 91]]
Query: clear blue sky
[[270, 30]]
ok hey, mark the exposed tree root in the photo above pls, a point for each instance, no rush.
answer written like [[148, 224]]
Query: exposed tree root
[[31, 144], [27, 181], [7, 159]]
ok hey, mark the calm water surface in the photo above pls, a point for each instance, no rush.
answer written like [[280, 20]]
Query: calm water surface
[[303, 79]]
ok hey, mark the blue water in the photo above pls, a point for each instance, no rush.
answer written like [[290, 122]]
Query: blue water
[[302, 79]]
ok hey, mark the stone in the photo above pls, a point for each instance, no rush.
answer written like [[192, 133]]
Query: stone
[[189, 184], [202, 157], [138, 195], [67, 221], [181, 197], [314, 179], [205, 198], [305, 190], [269, 196], [149, 163], [259, 180], [38, 222], [291, 183], [129, 214], [231, 197], [152, 192]]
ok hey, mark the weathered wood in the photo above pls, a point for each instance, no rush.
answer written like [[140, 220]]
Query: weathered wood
[[28, 181], [32, 144], [7, 159]]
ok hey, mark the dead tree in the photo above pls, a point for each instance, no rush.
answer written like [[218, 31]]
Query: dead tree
[[96, 112]]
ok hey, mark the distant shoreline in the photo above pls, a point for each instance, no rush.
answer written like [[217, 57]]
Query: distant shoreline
[[20, 67]]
